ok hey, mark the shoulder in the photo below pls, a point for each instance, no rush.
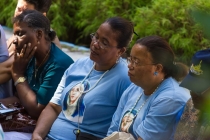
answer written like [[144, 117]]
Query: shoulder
[[59, 57], [171, 90], [131, 91], [120, 70], [82, 65], [122, 65]]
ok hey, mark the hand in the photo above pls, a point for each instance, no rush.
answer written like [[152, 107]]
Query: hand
[[21, 60], [11, 46]]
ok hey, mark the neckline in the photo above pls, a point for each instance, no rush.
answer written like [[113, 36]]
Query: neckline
[[141, 106], [41, 64], [96, 81]]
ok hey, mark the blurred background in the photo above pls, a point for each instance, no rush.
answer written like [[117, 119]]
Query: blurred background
[[174, 20]]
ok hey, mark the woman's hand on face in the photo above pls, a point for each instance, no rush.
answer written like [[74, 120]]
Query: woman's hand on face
[[21, 60]]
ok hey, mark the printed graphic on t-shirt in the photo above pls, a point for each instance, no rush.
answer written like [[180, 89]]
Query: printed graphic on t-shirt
[[127, 120], [74, 107]]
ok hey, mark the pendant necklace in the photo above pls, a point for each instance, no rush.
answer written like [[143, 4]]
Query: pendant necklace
[[129, 113], [36, 69], [77, 131]]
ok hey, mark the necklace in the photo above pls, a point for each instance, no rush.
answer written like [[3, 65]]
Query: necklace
[[36, 69], [128, 120], [96, 82], [77, 131]]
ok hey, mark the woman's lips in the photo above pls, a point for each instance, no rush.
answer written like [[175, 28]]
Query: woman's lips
[[129, 74], [93, 52]]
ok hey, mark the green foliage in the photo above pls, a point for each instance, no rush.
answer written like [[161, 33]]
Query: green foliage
[[74, 20], [7, 11], [92, 13], [172, 20], [62, 15]]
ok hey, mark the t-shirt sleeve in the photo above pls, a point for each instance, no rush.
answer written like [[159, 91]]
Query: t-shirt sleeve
[[56, 99], [49, 85], [157, 123]]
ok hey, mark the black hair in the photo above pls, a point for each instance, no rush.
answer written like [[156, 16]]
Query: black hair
[[162, 53], [36, 20], [41, 5], [124, 28]]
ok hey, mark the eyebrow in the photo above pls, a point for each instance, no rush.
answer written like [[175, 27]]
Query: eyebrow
[[135, 58], [103, 38]]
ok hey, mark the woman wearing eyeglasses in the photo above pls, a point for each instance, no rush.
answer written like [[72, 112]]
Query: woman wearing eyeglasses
[[154, 101], [103, 76]]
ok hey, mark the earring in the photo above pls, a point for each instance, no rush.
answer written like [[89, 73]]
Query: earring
[[155, 73], [117, 61], [38, 42]]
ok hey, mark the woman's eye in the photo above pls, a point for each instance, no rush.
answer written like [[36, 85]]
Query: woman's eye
[[19, 34], [104, 43], [96, 37]]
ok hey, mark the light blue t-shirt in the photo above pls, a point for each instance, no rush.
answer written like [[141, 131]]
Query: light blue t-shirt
[[159, 116], [96, 107]]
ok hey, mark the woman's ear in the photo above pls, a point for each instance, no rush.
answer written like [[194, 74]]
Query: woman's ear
[[121, 51], [159, 68], [39, 34]]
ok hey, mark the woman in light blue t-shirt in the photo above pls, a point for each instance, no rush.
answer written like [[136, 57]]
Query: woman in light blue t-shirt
[[90, 90], [151, 107]]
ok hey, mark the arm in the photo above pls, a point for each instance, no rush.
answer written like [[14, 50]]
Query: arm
[[45, 121], [10, 45], [5, 70], [9, 100], [26, 96]]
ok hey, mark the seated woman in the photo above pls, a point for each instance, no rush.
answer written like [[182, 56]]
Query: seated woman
[[42, 6], [100, 81], [39, 5], [38, 64], [151, 107]]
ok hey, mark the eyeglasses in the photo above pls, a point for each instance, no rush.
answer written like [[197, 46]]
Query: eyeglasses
[[100, 44], [135, 62]]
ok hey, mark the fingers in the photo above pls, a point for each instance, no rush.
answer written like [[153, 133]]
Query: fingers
[[23, 50], [28, 51], [32, 52]]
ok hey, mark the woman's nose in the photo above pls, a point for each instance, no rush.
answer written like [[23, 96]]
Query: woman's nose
[[95, 44], [130, 66], [15, 41]]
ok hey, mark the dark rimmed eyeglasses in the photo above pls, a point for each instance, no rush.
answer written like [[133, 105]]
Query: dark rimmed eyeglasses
[[100, 44], [135, 62]]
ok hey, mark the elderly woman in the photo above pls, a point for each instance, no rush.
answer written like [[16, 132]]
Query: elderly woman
[[103, 77], [38, 64], [150, 108]]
